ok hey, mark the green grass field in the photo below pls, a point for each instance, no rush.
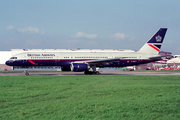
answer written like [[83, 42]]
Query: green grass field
[[90, 97]]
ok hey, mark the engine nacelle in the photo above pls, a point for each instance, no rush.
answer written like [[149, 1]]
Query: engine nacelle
[[79, 67]]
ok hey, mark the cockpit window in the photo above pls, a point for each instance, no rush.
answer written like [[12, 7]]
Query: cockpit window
[[13, 58]]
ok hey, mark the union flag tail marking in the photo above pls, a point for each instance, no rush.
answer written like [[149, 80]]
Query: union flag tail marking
[[151, 45]]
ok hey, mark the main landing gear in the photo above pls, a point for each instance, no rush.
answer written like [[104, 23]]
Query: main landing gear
[[94, 72], [91, 73]]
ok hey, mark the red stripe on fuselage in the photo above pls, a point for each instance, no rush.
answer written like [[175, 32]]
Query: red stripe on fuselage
[[157, 49], [32, 62]]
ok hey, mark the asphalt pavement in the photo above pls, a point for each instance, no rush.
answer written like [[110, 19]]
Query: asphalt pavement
[[103, 72]]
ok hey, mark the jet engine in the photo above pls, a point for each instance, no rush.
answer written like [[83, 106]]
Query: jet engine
[[79, 67]]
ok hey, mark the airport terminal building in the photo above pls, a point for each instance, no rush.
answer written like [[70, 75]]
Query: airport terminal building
[[4, 56], [156, 65]]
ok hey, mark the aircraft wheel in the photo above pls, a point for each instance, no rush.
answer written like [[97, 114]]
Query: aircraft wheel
[[91, 73], [86, 72], [97, 72], [26, 72]]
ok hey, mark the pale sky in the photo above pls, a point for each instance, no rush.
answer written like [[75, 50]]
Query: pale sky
[[88, 24]]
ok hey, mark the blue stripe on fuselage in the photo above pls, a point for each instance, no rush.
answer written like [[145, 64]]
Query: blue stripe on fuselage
[[67, 62]]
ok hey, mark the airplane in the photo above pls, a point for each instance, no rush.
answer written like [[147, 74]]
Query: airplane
[[82, 60]]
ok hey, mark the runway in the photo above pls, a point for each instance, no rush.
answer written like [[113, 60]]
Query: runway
[[104, 72]]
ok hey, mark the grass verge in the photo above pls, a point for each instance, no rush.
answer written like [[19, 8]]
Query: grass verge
[[90, 97]]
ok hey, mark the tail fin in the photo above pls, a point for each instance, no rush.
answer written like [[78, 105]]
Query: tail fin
[[154, 44]]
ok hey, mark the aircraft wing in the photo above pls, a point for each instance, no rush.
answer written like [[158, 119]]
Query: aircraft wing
[[99, 61]]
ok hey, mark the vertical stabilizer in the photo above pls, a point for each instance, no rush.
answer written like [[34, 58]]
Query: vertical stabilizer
[[154, 44]]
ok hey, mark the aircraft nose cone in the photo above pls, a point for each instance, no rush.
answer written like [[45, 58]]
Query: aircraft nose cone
[[7, 63]]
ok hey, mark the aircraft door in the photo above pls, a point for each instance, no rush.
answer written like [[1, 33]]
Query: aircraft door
[[57, 60], [24, 62], [140, 59]]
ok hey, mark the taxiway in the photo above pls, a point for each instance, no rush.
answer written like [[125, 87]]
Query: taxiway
[[104, 72]]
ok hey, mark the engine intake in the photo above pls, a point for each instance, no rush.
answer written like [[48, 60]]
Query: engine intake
[[79, 67]]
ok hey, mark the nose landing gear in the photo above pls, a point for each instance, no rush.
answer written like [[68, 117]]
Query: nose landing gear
[[26, 72]]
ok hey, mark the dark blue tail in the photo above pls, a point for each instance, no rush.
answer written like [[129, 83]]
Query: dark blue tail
[[158, 37], [154, 44]]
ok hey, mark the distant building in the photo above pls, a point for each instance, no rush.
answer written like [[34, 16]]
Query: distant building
[[157, 64], [4, 55], [174, 61]]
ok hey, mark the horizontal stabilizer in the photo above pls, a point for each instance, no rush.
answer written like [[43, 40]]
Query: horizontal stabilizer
[[160, 57]]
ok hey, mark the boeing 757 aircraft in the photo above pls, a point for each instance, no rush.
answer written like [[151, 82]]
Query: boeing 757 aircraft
[[82, 60]]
